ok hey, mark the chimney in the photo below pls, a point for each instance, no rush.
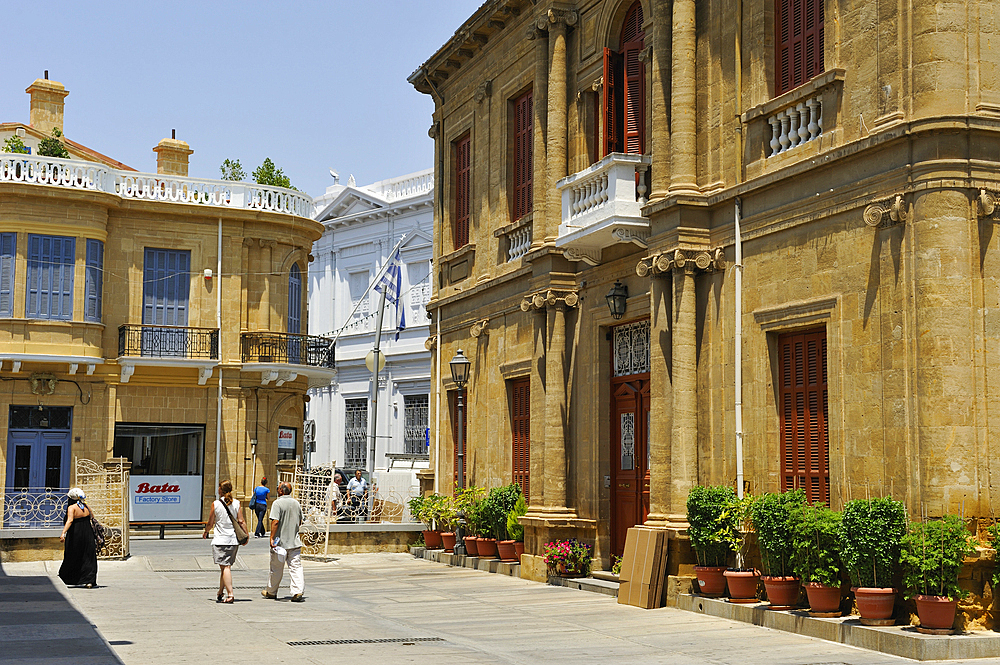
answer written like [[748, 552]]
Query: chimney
[[47, 105], [172, 156]]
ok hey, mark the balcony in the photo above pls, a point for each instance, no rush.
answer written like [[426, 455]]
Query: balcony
[[95, 177], [282, 357], [167, 346], [602, 205]]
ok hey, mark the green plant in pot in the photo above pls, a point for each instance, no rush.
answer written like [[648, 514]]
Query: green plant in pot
[[514, 528], [428, 512], [774, 517], [706, 507], [932, 554], [469, 501], [816, 557], [870, 534], [502, 500], [447, 518], [736, 527]]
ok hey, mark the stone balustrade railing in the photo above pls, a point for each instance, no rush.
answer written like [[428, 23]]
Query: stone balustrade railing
[[404, 188], [518, 242], [796, 125], [610, 186], [78, 174]]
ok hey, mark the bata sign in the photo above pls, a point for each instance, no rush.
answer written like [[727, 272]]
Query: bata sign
[[165, 498], [286, 438]]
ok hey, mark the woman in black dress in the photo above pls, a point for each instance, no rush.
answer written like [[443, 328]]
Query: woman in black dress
[[79, 566]]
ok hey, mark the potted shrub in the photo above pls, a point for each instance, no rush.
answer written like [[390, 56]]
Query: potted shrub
[[773, 520], [447, 517], [514, 528], [816, 557], [419, 513], [469, 501], [429, 514], [931, 555], [870, 535], [502, 500], [736, 526], [568, 558], [705, 509]]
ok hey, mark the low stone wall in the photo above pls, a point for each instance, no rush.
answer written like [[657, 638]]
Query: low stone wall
[[18, 545], [362, 537]]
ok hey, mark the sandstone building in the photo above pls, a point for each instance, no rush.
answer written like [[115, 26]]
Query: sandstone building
[[154, 317], [583, 143]]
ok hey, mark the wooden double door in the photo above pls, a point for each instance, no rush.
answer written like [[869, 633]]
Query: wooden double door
[[630, 419]]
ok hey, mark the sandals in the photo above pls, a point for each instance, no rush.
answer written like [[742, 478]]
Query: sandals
[[229, 601], [218, 598]]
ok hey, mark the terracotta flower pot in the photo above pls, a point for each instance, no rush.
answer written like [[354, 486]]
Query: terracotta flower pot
[[875, 604], [448, 539], [742, 584], [487, 548], [506, 551], [936, 612], [822, 598], [432, 539], [472, 546], [711, 581], [781, 591], [519, 548]]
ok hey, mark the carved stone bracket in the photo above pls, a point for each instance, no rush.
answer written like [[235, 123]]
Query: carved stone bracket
[[479, 328], [558, 15], [690, 260], [886, 212], [432, 131], [484, 90], [536, 31], [634, 236], [430, 342], [550, 298], [986, 203], [589, 256]]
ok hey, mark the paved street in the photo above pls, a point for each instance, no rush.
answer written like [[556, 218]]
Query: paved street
[[159, 607]]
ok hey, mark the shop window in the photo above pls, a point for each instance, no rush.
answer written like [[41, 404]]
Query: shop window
[[287, 437], [522, 156], [799, 42], [161, 450], [51, 261], [803, 413], [462, 188], [94, 280]]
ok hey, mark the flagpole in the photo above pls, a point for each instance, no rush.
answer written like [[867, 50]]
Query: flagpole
[[375, 281]]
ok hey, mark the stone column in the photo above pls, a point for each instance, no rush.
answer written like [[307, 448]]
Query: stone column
[[683, 106], [659, 96], [684, 426], [538, 107], [559, 20], [555, 408], [660, 400], [536, 463]]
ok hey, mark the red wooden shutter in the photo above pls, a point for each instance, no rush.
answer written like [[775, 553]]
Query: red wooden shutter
[[799, 36], [632, 44], [520, 425], [453, 403], [522, 155], [614, 90], [463, 173], [805, 450]]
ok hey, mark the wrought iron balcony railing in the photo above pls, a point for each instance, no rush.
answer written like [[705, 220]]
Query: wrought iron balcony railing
[[274, 347], [150, 341], [34, 507]]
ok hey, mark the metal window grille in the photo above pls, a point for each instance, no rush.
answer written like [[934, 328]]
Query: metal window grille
[[415, 418], [355, 433], [631, 348]]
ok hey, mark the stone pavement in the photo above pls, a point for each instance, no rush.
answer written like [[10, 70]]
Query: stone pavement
[[159, 607]]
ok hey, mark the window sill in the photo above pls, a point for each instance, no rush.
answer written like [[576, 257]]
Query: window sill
[[521, 223]]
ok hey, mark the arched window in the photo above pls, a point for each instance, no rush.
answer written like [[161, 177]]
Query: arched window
[[624, 88], [294, 299]]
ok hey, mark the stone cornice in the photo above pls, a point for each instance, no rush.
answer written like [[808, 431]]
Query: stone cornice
[[688, 260]]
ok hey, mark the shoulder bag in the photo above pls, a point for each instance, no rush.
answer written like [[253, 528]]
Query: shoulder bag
[[100, 531], [242, 537]]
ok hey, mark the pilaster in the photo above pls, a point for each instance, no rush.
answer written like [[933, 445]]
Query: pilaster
[[558, 21], [659, 96], [538, 128], [683, 106]]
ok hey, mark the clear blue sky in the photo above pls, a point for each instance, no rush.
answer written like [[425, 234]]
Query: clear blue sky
[[313, 85]]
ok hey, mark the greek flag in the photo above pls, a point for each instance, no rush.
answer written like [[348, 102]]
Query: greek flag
[[390, 284]]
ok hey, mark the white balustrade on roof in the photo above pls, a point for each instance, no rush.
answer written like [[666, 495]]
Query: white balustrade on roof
[[394, 189], [78, 174]]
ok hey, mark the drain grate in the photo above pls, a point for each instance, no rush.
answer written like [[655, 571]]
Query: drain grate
[[385, 640]]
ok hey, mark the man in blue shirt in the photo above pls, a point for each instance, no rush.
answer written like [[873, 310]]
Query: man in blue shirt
[[356, 490], [260, 506]]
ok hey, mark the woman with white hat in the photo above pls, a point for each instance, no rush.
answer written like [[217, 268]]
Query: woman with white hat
[[79, 566]]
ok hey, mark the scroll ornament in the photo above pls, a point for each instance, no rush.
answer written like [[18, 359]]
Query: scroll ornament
[[550, 298], [682, 259], [893, 208]]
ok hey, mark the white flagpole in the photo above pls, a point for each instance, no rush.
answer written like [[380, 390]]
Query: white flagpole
[[738, 288]]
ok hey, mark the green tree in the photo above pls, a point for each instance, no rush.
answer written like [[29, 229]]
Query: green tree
[[14, 144], [268, 174], [233, 170], [52, 146]]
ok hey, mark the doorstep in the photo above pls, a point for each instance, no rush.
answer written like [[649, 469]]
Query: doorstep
[[606, 587], [902, 641]]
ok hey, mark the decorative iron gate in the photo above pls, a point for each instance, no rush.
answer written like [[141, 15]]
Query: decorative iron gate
[[106, 488]]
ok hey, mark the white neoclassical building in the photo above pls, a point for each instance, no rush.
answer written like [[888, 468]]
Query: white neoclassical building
[[362, 224]]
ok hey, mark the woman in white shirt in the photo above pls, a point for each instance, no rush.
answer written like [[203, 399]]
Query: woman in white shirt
[[224, 543]]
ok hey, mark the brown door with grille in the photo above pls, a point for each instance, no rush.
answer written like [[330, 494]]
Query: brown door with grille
[[805, 450], [629, 456], [520, 426]]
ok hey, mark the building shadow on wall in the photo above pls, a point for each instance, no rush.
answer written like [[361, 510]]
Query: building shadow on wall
[[39, 625]]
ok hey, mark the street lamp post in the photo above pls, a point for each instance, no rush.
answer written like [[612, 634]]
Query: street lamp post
[[460, 375]]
